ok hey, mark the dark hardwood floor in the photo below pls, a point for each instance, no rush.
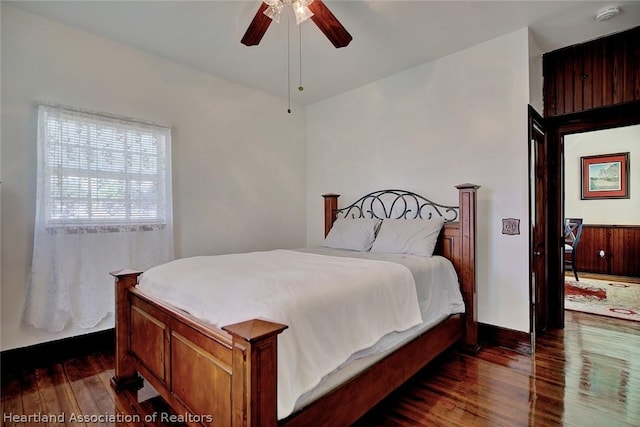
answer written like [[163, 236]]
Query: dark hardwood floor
[[585, 375]]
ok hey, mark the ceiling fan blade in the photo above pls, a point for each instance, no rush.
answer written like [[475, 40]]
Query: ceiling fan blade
[[257, 28], [329, 24]]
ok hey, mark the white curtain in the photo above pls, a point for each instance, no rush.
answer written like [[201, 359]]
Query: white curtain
[[103, 204]]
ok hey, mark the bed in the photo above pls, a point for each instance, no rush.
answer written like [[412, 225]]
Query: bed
[[227, 376]]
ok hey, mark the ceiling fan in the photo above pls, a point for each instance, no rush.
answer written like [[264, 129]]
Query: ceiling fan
[[319, 13]]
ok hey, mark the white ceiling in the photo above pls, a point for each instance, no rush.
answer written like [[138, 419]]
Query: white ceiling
[[388, 36]]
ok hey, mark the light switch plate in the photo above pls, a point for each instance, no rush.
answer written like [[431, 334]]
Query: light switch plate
[[511, 226]]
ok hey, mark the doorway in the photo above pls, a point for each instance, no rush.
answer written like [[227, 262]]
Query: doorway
[[552, 199], [605, 257]]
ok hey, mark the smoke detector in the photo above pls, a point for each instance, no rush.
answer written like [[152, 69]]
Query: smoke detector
[[607, 13]]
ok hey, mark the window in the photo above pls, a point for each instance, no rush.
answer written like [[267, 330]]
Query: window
[[103, 171], [103, 203]]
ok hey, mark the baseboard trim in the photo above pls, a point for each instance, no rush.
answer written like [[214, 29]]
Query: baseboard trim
[[508, 338], [16, 361]]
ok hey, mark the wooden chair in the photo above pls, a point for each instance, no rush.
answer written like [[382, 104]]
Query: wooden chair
[[572, 233]]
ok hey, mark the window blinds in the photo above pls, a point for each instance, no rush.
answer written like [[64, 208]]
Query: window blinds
[[103, 171]]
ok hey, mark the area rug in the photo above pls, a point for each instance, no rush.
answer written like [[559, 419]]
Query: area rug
[[603, 297]]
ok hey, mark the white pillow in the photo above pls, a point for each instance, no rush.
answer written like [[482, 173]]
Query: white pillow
[[356, 234], [408, 236]]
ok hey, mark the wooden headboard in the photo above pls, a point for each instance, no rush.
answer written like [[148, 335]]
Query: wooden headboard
[[457, 241]]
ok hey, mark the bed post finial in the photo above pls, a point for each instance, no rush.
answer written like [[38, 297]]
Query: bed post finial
[[254, 382], [468, 275], [330, 211]]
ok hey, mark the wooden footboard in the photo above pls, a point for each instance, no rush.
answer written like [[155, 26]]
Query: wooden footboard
[[218, 377], [228, 377]]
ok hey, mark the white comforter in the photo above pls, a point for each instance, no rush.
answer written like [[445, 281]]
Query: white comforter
[[334, 306]]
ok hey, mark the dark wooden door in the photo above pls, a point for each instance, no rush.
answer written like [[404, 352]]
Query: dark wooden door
[[539, 254]]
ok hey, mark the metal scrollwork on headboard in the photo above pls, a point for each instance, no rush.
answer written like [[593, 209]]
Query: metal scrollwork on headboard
[[397, 204]]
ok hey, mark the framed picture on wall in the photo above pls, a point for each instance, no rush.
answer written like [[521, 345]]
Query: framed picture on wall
[[605, 176]]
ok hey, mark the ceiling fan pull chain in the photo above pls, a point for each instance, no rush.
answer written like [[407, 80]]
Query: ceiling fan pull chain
[[288, 65], [300, 87]]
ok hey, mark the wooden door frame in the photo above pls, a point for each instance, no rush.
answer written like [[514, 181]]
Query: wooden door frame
[[557, 127], [537, 255]]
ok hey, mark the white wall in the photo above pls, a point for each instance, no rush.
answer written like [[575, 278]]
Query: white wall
[[462, 118], [608, 141], [238, 158]]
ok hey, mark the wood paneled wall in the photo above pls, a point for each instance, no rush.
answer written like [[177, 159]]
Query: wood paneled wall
[[621, 246], [599, 73]]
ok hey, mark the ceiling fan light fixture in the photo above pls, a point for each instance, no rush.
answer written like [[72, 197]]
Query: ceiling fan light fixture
[[270, 10], [301, 11], [274, 10]]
